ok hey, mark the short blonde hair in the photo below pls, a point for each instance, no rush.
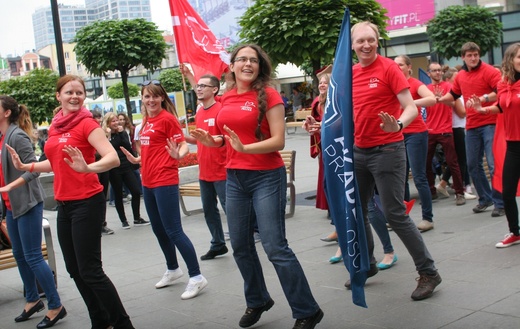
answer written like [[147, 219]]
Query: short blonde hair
[[365, 23]]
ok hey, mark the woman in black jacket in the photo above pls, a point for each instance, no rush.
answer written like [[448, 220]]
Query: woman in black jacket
[[124, 173]]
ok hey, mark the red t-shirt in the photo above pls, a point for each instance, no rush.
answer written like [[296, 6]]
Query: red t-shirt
[[512, 112], [68, 183], [240, 112], [417, 125], [212, 160], [440, 116], [158, 168], [375, 88], [480, 81]]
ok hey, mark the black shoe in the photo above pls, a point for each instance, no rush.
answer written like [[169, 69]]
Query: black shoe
[[141, 222], [214, 253], [497, 212], [125, 225], [481, 208], [38, 307], [310, 322], [47, 323], [252, 315], [371, 272]]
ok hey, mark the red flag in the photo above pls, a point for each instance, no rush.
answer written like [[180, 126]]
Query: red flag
[[195, 42], [499, 154]]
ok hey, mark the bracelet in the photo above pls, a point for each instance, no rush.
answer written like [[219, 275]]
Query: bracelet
[[32, 167], [223, 140]]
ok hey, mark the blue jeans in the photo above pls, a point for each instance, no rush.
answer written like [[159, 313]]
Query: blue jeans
[[378, 221], [162, 206], [416, 151], [384, 166], [264, 193], [209, 191], [26, 238], [478, 141]]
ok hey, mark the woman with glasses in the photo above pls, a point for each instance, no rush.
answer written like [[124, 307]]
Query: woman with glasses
[[162, 146], [23, 195], [252, 120], [74, 138]]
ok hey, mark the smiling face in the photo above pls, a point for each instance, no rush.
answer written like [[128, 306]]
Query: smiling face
[[204, 89], [516, 61], [114, 124], [365, 43], [323, 85], [71, 96], [152, 102], [435, 72], [245, 66], [122, 120]]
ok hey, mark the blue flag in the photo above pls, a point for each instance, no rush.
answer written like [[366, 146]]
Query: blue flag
[[337, 140]]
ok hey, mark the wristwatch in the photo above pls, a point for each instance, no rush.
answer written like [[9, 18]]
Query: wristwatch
[[400, 125], [486, 97]]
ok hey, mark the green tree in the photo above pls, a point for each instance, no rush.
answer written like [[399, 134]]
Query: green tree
[[37, 91], [171, 80], [297, 31], [116, 90], [456, 25], [120, 45]]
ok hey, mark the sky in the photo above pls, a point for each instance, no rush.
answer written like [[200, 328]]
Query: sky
[[16, 30]]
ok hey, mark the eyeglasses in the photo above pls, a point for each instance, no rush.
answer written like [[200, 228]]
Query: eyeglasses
[[252, 60], [202, 86], [155, 82]]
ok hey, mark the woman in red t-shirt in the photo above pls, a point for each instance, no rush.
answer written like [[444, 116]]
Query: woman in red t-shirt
[[508, 91], [252, 120], [416, 142], [162, 146], [74, 138]]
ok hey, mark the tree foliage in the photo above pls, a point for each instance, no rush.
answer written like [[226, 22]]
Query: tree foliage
[[456, 25], [116, 90], [297, 31], [37, 91], [120, 45], [171, 80]]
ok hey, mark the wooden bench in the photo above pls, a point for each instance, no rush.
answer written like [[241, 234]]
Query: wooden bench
[[7, 259], [193, 189]]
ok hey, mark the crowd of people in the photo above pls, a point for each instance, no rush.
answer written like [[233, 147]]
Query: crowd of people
[[241, 168]]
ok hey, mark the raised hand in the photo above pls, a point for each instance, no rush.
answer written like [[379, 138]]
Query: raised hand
[[173, 148], [234, 140], [130, 156], [15, 158], [76, 162], [388, 122]]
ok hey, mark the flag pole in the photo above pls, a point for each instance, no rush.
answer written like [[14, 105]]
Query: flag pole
[[187, 131]]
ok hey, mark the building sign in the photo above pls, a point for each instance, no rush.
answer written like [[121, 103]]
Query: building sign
[[406, 13]]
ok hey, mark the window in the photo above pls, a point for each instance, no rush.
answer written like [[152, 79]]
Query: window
[[67, 55], [78, 67], [27, 67], [68, 68]]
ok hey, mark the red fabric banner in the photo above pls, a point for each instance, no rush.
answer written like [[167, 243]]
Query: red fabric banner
[[195, 43]]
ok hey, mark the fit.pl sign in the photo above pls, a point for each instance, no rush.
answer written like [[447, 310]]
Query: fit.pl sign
[[406, 13]]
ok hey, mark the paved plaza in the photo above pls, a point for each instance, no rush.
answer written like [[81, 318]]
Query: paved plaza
[[480, 287]]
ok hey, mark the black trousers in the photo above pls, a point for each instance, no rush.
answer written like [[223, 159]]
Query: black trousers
[[510, 177], [79, 234]]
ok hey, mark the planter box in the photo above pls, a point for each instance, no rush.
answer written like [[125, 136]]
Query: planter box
[[188, 174]]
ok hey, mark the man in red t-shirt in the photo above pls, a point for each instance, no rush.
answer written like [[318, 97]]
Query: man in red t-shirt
[[440, 131], [478, 79], [379, 151], [212, 162]]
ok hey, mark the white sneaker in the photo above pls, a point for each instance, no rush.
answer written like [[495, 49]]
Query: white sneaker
[[469, 196], [469, 189], [168, 278], [425, 225], [194, 288], [442, 190]]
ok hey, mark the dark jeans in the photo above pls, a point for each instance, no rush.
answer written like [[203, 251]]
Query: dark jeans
[[79, 234], [459, 139], [263, 194], [448, 147], [119, 176], [510, 178], [209, 191], [162, 206], [25, 233], [385, 167]]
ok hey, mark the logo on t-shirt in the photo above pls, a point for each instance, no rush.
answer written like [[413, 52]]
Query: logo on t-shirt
[[147, 128], [248, 106], [64, 138], [373, 83], [210, 122]]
